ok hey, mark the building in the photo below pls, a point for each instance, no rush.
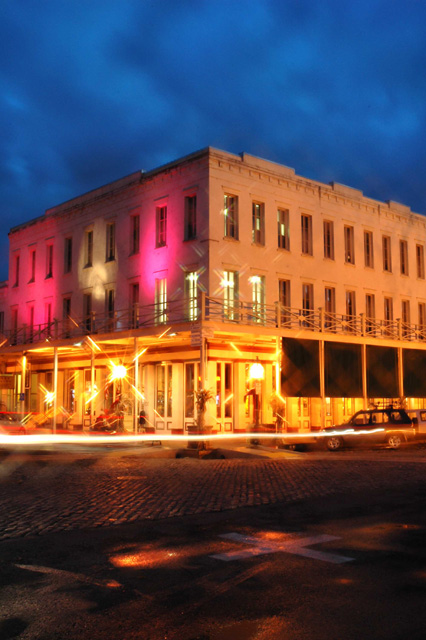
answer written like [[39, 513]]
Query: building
[[189, 274]]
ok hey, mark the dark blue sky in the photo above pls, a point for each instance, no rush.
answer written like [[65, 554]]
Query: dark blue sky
[[92, 90]]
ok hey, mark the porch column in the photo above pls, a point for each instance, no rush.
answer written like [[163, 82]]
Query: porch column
[[322, 381], [364, 374], [136, 394], [55, 386], [92, 384], [400, 374], [278, 367], [203, 367], [24, 369]]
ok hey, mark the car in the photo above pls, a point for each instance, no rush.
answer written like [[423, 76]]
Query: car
[[18, 424], [418, 417], [390, 426]]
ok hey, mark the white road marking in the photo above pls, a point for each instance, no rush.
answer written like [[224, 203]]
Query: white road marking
[[69, 575], [287, 542]]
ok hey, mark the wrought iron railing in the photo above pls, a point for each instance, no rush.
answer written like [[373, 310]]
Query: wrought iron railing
[[213, 309]]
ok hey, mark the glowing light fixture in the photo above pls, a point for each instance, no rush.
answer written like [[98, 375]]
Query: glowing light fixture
[[256, 371], [49, 397], [118, 372]]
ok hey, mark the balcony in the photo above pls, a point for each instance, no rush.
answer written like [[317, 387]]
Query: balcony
[[207, 309]]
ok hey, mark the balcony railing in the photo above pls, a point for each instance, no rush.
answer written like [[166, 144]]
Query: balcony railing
[[214, 309]]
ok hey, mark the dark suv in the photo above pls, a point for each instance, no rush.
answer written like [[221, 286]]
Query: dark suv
[[373, 426]]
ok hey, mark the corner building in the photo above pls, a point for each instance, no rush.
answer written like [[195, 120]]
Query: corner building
[[189, 274]]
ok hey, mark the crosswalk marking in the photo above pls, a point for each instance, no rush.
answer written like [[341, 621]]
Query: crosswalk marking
[[287, 542]]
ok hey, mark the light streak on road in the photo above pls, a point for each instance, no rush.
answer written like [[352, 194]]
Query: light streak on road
[[88, 439]]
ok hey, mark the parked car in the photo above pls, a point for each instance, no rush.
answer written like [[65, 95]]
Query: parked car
[[418, 416], [17, 424], [389, 427]]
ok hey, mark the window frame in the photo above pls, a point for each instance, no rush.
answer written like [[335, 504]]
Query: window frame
[[349, 243], [88, 248], [190, 217], [306, 234], [191, 294], [403, 257], [368, 249], [387, 253], [230, 285], [16, 269], [49, 261], [160, 300], [328, 234], [135, 225], [230, 211], [283, 223], [67, 254], [110, 249], [258, 223], [420, 261], [160, 226]]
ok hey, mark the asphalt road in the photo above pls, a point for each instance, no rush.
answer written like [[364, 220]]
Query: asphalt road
[[307, 546]]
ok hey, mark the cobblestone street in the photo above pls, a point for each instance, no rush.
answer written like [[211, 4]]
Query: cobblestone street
[[66, 492]]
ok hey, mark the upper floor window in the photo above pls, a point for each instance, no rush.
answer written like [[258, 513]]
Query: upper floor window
[[88, 248], [161, 226], [388, 310], [370, 312], [230, 211], [420, 261], [350, 305], [368, 249], [307, 301], [16, 265], [283, 219], [32, 265], [134, 234], [66, 316], [110, 308], [387, 258], [258, 223], [134, 305], [403, 256], [230, 282], [191, 291], [190, 231], [49, 261], [349, 245], [284, 293], [422, 315], [110, 242], [329, 239], [87, 311], [306, 224], [258, 298], [330, 300], [406, 316], [329, 307], [67, 255], [161, 300]]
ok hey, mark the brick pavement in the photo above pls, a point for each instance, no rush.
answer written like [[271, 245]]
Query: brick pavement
[[40, 495]]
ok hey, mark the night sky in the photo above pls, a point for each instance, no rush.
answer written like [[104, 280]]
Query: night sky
[[92, 90]]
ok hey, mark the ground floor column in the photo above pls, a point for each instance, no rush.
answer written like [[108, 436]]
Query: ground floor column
[[55, 386]]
